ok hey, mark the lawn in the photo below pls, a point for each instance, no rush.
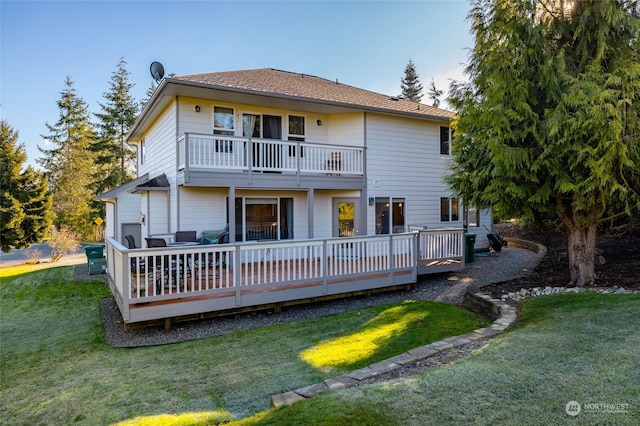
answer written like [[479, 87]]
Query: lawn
[[57, 369], [572, 347]]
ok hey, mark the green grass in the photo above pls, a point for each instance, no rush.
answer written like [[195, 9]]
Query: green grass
[[57, 369], [572, 347]]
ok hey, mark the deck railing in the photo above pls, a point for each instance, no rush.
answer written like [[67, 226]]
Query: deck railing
[[156, 283], [212, 152]]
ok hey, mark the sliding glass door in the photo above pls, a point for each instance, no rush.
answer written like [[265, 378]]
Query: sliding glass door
[[259, 219]]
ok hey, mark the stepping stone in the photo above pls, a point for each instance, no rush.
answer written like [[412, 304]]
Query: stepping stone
[[286, 398]]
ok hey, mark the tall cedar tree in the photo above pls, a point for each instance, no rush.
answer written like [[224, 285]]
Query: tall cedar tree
[[115, 158], [549, 123], [70, 165], [25, 201], [410, 84]]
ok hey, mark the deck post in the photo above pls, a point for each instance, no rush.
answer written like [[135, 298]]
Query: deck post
[[324, 267], [250, 159], [391, 262], [415, 256], [237, 274]]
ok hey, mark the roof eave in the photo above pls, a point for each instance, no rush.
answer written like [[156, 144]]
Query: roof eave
[[173, 87]]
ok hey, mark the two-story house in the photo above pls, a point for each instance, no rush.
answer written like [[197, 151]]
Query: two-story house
[[276, 158]]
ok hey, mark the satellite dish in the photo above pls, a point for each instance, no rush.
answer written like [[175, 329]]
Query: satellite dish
[[157, 71]]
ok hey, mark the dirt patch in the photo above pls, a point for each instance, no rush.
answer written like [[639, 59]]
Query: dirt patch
[[620, 269]]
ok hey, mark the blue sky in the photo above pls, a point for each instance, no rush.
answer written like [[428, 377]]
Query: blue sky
[[366, 44]]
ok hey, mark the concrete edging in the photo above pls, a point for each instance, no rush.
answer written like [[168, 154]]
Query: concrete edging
[[502, 313]]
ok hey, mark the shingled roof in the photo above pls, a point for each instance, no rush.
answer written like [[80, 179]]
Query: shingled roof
[[306, 87]]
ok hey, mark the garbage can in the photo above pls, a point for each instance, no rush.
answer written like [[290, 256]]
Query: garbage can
[[469, 242], [96, 262]]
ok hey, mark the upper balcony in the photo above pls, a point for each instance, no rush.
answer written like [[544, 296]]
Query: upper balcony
[[265, 161]]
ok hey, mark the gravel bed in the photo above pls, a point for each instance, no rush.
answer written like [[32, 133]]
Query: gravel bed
[[446, 288]]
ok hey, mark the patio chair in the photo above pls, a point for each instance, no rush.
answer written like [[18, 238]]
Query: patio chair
[[138, 265], [186, 236], [131, 241], [335, 163], [168, 265]]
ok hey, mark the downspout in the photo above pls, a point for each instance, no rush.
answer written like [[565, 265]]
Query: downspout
[[176, 173], [231, 208], [115, 219], [310, 197]]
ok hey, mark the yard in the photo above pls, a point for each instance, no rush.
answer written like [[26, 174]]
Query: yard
[[57, 368]]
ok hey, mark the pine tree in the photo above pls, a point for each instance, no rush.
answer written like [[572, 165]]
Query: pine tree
[[25, 202], [434, 94], [549, 123], [70, 165], [115, 158], [410, 84]]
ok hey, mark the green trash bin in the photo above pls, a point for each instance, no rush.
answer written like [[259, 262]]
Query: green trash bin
[[469, 242], [96, 262]]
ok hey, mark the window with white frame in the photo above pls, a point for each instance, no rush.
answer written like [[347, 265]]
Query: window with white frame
[[449, 209], [296, 133], [223, 124], [390, 215], [142, 151], [223, 121], [296, 128], [471, 216], [251, 125]]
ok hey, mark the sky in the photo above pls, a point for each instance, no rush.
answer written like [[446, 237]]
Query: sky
[[366, 44]]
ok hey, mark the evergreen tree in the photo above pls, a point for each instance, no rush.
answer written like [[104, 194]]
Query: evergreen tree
[[25, 203], [70, 164], [410, 84], [434, 94], [150, 91], [115, 158], [549, 123]]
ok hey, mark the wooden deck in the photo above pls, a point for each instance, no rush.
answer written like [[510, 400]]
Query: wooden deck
[[159, 284]]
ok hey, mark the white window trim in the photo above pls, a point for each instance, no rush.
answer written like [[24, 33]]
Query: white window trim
[[213, 120], [391, 200], [451, 199], [304, 134]]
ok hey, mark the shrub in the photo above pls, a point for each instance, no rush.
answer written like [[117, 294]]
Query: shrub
[[62, 241], [33, 255]]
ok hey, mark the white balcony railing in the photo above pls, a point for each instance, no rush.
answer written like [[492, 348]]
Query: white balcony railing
[[197, 151]]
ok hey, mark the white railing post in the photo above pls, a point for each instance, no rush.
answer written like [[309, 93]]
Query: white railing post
[[237, 273]]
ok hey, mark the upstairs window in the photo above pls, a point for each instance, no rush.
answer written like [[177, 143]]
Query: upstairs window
[[445, 139], [449, 209], [296, 133], [223, 122], [296, 128], [142, 151]]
